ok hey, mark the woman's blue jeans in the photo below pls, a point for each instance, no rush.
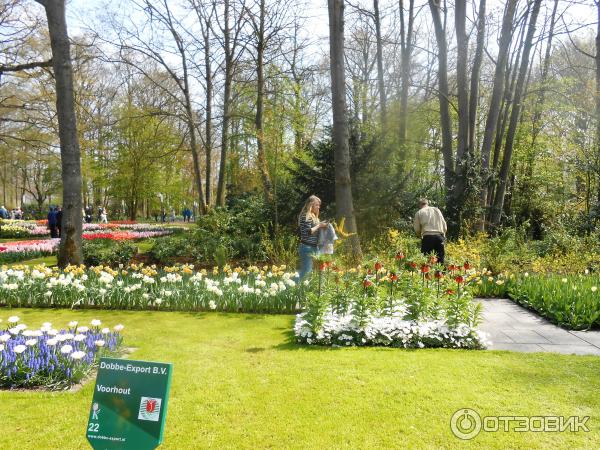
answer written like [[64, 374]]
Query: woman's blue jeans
[[306, 253]]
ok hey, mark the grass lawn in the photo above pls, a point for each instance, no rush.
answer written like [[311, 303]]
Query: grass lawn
[[50, 260], [238, 382]]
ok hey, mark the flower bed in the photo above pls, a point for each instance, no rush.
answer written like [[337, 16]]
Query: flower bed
[[414, 305], [22, 250], [384, 329], [19, 250], [268, 289], [124, 235], [51, 358], [571, 301], [23, 228]]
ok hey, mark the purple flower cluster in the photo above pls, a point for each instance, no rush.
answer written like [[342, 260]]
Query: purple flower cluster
[[51, 358]]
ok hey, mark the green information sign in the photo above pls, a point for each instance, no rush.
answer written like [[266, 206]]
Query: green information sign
[[129, 405]]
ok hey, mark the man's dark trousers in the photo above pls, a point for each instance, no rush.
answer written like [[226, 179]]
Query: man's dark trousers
[[433, 243]]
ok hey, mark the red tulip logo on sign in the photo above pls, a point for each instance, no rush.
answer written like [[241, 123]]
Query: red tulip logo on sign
[[150, 405], [149, 409]]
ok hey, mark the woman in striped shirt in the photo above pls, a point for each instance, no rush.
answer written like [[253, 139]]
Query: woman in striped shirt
[[309, 226]]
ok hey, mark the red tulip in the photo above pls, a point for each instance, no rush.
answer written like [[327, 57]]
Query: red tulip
[[459, 279], [393, 277], [452, 267], [438, 275], [413, 265], [433, 259], [378, 266], [367, 283], [322, 266], [400, 256], [449, 292], [424, 268], [467, 266]]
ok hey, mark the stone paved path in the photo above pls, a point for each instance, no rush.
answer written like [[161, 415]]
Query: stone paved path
[[512, 327]]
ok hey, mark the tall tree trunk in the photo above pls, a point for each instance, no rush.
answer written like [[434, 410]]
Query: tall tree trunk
[[495, 103], [406, 47], [514, 118], [597, 61], [209, 99], [380, 79], [458, 193], [226, 104], [258, 118], [475, 72], [443, 95], [70, 243], [343, 186], [510, 80]]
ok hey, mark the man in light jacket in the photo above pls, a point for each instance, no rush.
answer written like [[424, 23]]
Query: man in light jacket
[[431, 228]]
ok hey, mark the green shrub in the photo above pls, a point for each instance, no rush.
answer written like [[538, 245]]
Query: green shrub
[[169, 247], [235, 232], [106, 252]]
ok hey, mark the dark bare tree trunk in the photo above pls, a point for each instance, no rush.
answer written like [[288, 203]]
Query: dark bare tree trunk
[[406, 48], [229, 61], [70, 244], [597, 61], [205, 21], [258, 118], [458, 192], [343, 185], [497, 207], [509, 91], [495, 103], [475, 72], [445, 120], [380, 78]]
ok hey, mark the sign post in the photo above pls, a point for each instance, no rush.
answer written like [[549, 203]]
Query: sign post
[[130, 404]]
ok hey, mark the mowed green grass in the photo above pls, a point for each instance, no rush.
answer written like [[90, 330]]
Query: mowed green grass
[[238, 382]]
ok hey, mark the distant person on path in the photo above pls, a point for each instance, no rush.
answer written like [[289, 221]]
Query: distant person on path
[[3, 212], [431, 228], [187, 214], [89, 214], [52, 222], [309, 226], [103, 216], [59, 215]]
